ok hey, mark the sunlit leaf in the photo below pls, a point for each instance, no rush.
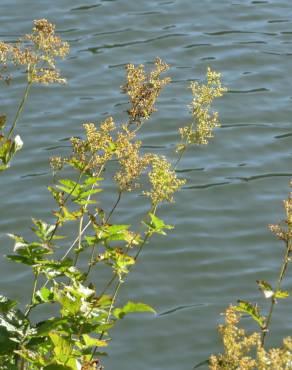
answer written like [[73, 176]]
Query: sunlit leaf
[[132, 307], [156, 225], [251, 310], [93, 342], [281, 294]]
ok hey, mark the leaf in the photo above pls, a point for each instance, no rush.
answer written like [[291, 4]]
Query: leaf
[[266, 288], [112, 232], [43, 230], [252, 310], [18, 240], [21, 259], [6, 304], [45, 327], [156, 225], [93, 342], [132, 307], [7, 345], [62, 348], [281, 294], [55, 366], [13, 325], [44, 295]]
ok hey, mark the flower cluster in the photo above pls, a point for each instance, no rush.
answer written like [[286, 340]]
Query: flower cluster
[[143, 89], [37, 52], [237, 345], [96, 149], [284, 232], [131, 161], [4, 54], [245, 352], [163, 180], [204, 120]]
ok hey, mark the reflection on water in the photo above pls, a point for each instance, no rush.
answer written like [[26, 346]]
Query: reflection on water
[[221, 244]]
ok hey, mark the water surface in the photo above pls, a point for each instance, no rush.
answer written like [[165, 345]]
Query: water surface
[[236, 185]]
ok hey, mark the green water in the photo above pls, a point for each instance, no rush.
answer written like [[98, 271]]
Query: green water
[[236, 185]]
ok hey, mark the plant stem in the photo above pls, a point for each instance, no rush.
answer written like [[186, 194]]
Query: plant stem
[[30, 306], [109, 313], [114, 207], [182, 152], [20, 108], [278, 287]]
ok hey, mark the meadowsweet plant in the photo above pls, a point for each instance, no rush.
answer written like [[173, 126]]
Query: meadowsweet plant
[[248, 351], [245, 351], [36, 53], [77, 334]]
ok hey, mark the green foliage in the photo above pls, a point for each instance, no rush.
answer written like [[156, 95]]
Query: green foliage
[[75, 337], [252, 310]]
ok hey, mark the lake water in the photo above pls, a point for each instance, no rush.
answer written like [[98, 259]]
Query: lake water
[[221, 243]]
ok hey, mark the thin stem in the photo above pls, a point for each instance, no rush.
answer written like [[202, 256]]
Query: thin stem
[[114, 207], [109, 313], [182, 152], [278, 287], [19, 110], [31, 305], [90, 264], [57, 223]]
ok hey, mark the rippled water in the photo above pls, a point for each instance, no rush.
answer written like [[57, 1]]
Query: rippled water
[[221, 243]]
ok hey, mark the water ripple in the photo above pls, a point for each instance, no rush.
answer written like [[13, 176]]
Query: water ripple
[[183, 307], [96, 50], [228, 32], [85, 7], [260, 89], [259, 177], [206, 186]]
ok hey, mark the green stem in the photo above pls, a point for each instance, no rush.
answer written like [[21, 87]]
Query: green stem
[[182, 152], [278, 287], [31, 305], [109, 313], [114, 207], [19, 110]]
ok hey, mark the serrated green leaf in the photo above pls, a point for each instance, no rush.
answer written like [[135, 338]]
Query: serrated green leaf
[[156, 225], [93, 342], [21, 259], [92, 180], [251, 310], [45, 327], [44, 295], [132, 307]]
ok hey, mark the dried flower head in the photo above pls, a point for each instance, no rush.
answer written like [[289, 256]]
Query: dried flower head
[[5, 50], [203, 119], [283, 230], [143, 89], [56, 163], [163, 180], [237, 345], [245, 352], [38, 52], [96, 149], [131, 161]]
